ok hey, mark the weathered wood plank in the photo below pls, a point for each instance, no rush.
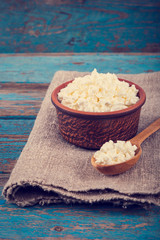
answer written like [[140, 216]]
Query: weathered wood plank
[[24, 88], [52, 54], [13, 136], [21, 99], [40, 69], [97, 221], [80, 26], [4, 178]]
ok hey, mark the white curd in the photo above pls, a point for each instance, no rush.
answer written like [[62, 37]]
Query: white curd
[[98, 92], [113, 153]]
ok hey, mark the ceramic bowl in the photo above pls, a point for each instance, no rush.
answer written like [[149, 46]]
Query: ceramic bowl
[[92, 129]]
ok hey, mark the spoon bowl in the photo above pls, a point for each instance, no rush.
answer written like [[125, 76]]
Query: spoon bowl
[[115, 169]]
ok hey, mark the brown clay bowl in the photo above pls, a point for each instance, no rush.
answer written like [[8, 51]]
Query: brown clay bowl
[[92, 129]]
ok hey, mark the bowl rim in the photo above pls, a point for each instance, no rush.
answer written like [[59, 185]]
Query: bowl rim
[[70, 111]]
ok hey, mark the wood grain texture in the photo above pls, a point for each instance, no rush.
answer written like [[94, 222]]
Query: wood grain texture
[[13, 136], [80, 26], [23, 82], [21, 99], [97, 221], [40, 69]]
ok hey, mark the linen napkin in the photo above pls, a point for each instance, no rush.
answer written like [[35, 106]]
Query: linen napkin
[[51, 170]]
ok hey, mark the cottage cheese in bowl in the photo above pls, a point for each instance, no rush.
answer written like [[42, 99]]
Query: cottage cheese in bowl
[[113, 153], [98, 92], [98, 107]]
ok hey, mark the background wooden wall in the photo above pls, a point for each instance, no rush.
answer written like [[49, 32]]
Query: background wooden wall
[[33, 26]]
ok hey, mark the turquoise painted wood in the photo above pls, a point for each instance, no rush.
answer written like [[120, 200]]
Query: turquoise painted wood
[[79, 26], [23, 83], [78, 222], [40, 69]]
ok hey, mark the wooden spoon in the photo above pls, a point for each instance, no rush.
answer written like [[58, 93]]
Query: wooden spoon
[[124, 166]]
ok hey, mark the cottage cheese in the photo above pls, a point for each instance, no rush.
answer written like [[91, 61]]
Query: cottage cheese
[[98, 92], [113, 153]]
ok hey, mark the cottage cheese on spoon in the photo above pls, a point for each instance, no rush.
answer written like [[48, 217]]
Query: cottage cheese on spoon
[[112, 153]]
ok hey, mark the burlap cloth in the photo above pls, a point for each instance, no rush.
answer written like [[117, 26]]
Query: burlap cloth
[[50, 170]]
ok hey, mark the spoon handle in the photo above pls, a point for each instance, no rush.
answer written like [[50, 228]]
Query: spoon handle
[[153, 127]]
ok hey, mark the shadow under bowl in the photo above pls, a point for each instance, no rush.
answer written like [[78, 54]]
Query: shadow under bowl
[[92, 129]]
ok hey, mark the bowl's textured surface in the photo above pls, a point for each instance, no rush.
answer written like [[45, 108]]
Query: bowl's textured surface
[[91, 130]]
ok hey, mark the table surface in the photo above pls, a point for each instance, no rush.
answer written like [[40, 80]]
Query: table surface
[[77, 26], [24, 80]]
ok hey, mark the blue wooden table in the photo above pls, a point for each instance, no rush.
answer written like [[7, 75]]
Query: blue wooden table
[[23, 82], [79, 26]]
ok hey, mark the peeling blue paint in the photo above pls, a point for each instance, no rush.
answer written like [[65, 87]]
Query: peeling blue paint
[[41, 69], [79, 221], [79, 26]]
